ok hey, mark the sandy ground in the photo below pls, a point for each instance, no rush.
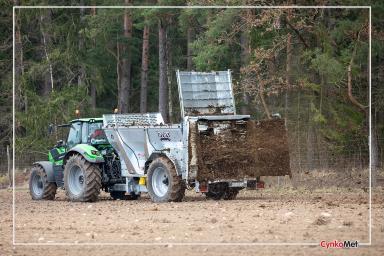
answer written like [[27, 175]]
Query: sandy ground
[[272, 216]]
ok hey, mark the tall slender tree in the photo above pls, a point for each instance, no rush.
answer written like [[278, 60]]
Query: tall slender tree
[[45, 20], [126, 62], [244, 58], [19, 63], [81, 76], [288, 66], [163, 80], [190, 39], [144, 69], [93, 92]]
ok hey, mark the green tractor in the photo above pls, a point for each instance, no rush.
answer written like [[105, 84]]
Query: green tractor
[[82, 166]]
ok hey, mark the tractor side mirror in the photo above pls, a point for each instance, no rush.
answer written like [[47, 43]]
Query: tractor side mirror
[[60, 143]]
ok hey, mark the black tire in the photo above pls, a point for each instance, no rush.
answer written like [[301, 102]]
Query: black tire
[[214, 195], [216, 191], [39, 187], [231, 193], [120, 195], [174, 187], [82, 179]]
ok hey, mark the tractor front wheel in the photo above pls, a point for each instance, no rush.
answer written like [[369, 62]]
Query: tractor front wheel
[[39, 187], [82, 179], [164, 185]]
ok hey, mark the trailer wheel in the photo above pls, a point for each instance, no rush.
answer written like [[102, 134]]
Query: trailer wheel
[[231, 193], [216, 191], [82, 179], [39, 187], [214, 195], [120, 195], [164, 185]]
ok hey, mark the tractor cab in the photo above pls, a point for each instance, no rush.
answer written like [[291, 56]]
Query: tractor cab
[[86, 134], [86, 131], [81, 131]]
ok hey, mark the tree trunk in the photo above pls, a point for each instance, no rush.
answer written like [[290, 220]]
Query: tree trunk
[[144, 70], [298, 132], [163, 83], [374, 150], [288, 68], [244, 59], [190, 38], [81, 75], [310, 140], [169, 75], [9, 167], [93, 91], [118, 72], [45, 19], [125, 80], [353, 100], [310, 148], [19, 63], [375, 163], [263, 102]]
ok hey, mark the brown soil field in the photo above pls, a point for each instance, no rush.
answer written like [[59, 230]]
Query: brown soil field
[[273, 215]]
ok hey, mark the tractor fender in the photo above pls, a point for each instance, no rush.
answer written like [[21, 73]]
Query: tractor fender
[[90, 153], [155, 155], [48, 168]]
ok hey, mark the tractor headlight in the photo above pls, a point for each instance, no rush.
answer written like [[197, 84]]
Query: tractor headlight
[[95, 152]]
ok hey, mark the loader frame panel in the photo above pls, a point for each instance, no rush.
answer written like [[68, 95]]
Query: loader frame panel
[[136, 145], [205, 93]]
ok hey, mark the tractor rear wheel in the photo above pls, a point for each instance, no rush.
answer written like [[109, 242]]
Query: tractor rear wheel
[[164, 185], [82, 179], [39, 187]]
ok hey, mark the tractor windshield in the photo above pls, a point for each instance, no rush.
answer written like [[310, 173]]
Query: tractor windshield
[[93, 127], [86, 132], [96, 134], [74, 136]]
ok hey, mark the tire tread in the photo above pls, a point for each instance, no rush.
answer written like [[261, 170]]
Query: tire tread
[[50, 188], [178, 187], [92, 179]]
